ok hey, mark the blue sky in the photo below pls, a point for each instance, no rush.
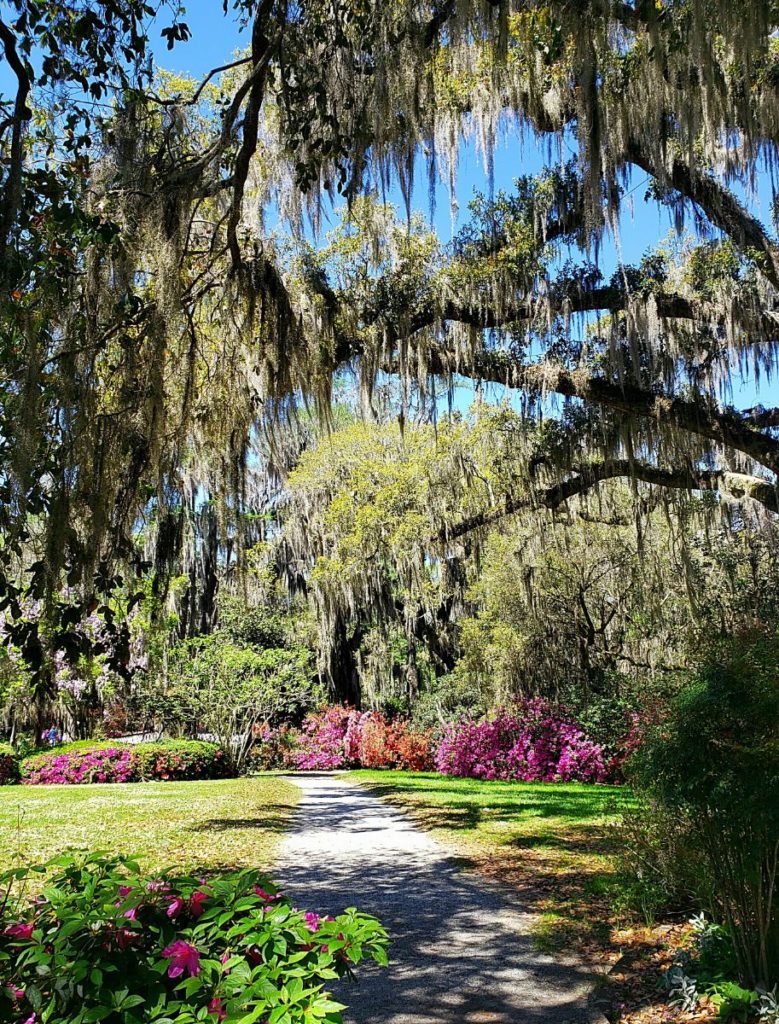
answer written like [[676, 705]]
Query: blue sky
[[215, 37]]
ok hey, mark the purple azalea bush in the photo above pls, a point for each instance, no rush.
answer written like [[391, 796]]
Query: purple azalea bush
[[533, 743]]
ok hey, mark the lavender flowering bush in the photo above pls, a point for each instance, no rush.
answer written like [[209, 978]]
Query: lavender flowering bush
[[88, 938], [533, 743]]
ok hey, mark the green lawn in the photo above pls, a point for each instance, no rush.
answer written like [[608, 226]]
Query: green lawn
[[553, 841], [229, 822]]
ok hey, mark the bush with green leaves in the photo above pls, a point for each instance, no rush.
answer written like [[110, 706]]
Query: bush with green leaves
[[715, 762], [87, 938], [235, 687], [179, 760], [9, 764]]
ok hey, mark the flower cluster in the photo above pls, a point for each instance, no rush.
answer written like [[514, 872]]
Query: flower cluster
[[107, 764], [532, 744], [339, 737], [170, 760], [226, 948]]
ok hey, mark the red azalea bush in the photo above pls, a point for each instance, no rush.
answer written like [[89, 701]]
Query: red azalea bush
[[534, 743], [101, 763], [101, 942]]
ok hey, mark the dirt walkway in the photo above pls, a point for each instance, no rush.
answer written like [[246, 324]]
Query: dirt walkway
[[461, 951]]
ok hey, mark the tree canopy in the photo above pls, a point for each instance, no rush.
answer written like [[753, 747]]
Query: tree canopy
[[168, 304]]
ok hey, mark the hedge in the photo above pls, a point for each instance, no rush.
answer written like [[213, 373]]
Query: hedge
[[102, 762]]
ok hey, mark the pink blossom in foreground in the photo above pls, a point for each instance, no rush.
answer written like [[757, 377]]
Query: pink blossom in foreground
[[175, 907], [19, 931], [196, 902], [183, 957], [215, 1006]]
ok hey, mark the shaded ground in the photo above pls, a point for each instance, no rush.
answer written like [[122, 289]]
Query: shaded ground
[[222, 823], [462, 950], [555, 845]]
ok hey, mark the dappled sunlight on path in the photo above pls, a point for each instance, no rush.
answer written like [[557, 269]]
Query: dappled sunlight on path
[[461, 952]]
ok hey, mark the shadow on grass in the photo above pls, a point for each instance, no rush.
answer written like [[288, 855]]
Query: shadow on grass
[[275, 818]]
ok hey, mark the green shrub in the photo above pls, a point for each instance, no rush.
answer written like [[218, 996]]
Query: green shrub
[[179, 759], [9, 765], [715, 762], [86, 938], [661, 869]]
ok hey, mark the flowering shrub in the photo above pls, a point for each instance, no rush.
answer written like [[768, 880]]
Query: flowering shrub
[[179, 759], [322, 739], [103, 943], [173, 759], [339, 737], [534, 744], [99, 764], [9, 765]]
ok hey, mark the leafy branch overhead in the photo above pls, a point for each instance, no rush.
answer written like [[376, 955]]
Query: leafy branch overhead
[[164, 306]]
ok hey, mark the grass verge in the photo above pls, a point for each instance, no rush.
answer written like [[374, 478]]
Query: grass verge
[[222, 823]]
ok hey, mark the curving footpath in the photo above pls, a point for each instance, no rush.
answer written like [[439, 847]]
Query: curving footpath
[[461, 951]]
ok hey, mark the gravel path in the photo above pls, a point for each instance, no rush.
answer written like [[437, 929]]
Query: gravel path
[[461, 951]]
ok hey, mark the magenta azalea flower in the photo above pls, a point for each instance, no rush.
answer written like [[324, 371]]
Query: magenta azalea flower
[[183, 957], [19, 931], [125, 890], [196, 902], [175, 907], [215, 1006], [16, 993], [312, 921], [269, 897]]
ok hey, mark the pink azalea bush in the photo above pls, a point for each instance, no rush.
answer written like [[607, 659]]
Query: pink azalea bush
[[341, 737], [533, 743], [108, 764], [101, 763], [87, 938]]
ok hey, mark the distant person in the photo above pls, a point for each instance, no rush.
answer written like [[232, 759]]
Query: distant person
[[52, 735]]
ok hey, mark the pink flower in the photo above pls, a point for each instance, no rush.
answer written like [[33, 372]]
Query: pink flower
[[125, 890], [31, 1019], [175, 907], [268, 896], [16, 993], [132, 913], [183, 957], [312, 921], [19, 931], [196, 902], [215, 1006]]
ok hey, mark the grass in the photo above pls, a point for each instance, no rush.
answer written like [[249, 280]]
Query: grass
[[553, 841], [223, 823]]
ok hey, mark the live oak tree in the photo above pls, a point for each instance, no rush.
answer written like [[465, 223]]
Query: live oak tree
[[405, 536], [152, 323]]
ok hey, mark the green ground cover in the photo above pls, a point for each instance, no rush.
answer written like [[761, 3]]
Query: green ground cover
[[553, 841], [222, 823]]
